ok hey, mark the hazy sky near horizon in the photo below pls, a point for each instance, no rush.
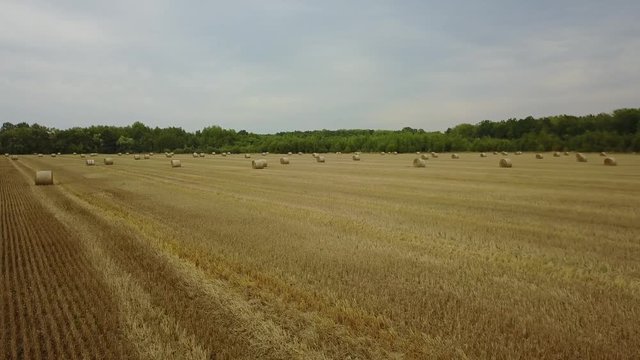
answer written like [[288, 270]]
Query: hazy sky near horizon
[[268, 66]]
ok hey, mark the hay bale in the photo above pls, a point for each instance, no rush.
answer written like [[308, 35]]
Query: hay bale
[[264, 154], [53, 155], [74, 153], [168, 155], [604, 154], [518, 152], [418, 162], [82, 156], [495, 153], [455, 156], [504, 153], [289, 153], [610, 161], [320, 159], [127, 153], [90, 162], [315, 155], [505, 163], [539, 156], [44, 177], [284, 160], [6, 154], [382, 153], [213, 153], [566, 153], [417, 152], [247, 156], [434, 155], [483, 155], [14, 157], [556, 154], [150, 154], [299, 152], [355, 157], [94, 154], [395, 153], [580, 157], [108, 161], [119, 154], [224, 154], [228, 152], [147, 156], [424, 157], [259, 164], [40, 155], [136, 157], [176, 163], [201, 154], [195, 155]]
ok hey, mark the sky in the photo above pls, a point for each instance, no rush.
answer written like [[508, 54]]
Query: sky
[[278, 65]]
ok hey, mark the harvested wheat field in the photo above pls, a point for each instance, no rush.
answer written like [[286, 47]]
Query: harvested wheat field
[[349, 260]]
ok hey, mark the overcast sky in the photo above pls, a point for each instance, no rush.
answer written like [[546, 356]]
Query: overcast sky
[[275, 65]]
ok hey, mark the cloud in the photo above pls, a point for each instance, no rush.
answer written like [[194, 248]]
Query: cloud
[[284, 65]]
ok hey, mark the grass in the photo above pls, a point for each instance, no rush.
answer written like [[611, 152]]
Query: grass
[[369, 259]]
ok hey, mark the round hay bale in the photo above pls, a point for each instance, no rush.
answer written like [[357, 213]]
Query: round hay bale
[[556, 154], [417, 152], [395, 153], [424, 157], [610, 161], [434, 155], [566, 153], [518, 152], [201, 154], [355, 157], [505, 163], [127, 153], [604, 154], [264, 154], [504, 153], [213, 153], [289, 153], [108, 161], [168, 155], [119, 154], [418, 162], [284, 160], [495, 153], [247, 156], [44, 177], [6, 154], [195, 155], [90, 162], [259, 164], [483, 155], [82, 156], [14, 157], [320, 159], [176, 163], [150, 154], [74, 153], [382, 153], [299, 152], [53, 155], [315, 155], [96, 154], [40, 155], [147, 156], [224, 154], [136, 157], [455, 156], [580, 157], [539, 156]]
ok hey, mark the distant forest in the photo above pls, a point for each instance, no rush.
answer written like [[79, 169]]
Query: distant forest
[[617, 131]]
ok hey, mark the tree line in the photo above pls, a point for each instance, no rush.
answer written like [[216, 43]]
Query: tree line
[[617, 131]]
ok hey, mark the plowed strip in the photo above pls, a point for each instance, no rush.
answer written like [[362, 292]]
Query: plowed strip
[[53, 303]]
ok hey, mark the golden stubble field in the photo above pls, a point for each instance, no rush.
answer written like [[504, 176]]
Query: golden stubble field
[[373, 259]]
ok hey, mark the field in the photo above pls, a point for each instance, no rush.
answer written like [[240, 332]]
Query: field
[[373, 259]]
